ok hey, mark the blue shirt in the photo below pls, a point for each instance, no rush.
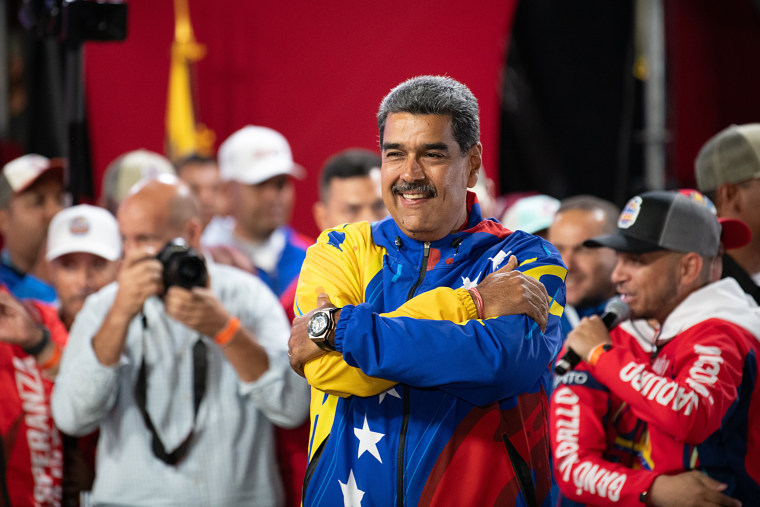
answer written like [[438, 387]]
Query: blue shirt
[[23, 285]]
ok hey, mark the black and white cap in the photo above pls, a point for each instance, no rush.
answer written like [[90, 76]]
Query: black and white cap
[[684, 221]]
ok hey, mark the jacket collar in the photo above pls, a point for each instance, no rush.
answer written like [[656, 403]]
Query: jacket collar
[[388, 234]]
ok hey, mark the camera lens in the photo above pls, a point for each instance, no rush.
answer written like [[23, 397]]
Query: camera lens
[[190, 270]]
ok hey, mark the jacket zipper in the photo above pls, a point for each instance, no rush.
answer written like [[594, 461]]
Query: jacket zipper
[[311, 467], [423, 270], [405, 418]]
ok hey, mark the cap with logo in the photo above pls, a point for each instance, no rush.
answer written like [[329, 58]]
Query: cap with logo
[[730, 156], [531, 214], [684, 221], [128, 169], [254, 154], [20, 173], [84, 228]]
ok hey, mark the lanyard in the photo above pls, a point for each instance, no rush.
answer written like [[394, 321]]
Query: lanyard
[[200, 372]]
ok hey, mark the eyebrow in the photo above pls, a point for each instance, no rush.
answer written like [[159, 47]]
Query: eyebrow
[[429, 146]]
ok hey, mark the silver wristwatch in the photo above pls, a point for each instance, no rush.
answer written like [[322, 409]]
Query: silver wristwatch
[[319, 327]]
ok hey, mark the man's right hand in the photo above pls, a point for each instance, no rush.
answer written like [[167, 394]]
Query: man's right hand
[[510, 292], [140, 277], [690, 488]]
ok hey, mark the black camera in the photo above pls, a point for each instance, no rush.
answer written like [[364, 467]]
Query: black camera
[[183, 266]]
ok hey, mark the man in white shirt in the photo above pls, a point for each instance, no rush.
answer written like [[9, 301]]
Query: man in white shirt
[[184, 382]]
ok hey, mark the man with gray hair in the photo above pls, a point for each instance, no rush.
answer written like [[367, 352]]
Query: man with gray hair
[[426, 346], [728, 172]]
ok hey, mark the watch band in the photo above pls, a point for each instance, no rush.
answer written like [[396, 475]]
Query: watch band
[[35, 349]]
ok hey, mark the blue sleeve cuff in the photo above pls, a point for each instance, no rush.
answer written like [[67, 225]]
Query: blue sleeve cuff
[[340, 327]]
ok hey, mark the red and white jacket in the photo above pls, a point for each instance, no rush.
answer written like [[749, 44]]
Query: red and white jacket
[[659, 403], [32, 461]]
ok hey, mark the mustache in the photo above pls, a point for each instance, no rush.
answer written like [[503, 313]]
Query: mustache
[[427, 189]]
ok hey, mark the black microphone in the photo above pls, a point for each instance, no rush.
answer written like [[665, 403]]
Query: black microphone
[[615, 312]]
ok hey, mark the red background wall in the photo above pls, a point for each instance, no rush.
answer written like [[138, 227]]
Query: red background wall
[[315, 71]]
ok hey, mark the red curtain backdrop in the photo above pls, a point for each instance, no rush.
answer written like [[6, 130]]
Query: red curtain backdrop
[[713, 50], [315, 71]]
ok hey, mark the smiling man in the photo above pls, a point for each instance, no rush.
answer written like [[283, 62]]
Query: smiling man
[[426, 346], [647, 404], [588, 281]]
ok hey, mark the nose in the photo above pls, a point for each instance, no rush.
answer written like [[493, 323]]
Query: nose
[[619, 274], [412, 170], [52, 207], [569, 258]]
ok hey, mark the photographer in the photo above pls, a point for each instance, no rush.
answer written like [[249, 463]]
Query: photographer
[[184, 383]]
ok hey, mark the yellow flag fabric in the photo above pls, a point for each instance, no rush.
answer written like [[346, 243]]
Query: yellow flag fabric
[[184, 135]]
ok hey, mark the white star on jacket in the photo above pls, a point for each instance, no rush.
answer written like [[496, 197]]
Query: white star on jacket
[[496, 261], [390, 392], [467, 284], [352, 495], [368, 440]]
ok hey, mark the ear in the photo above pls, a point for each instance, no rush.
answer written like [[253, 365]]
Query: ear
[[4, 220], [319, 210], [475, 162], [727, 199], [224, 198], [193, 232], [691, 268]]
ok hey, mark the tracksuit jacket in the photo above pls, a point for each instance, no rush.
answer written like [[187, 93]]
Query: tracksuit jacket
[[423, 404], [661, 403], [31, 465]]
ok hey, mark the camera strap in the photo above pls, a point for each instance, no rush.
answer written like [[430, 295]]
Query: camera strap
[[200, 372]]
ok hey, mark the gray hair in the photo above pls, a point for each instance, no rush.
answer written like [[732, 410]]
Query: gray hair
[[435, 95]]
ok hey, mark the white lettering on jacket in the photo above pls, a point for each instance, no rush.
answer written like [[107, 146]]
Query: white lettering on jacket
[[668, 393], [586, 476], [42, 438]]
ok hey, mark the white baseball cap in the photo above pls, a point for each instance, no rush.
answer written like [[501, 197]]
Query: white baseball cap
[[19, 174], [84, 228], [531, 214], [255, 154]]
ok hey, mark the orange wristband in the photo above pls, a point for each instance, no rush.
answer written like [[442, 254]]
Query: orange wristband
[[55, 358], [597, 351], [224, 336]]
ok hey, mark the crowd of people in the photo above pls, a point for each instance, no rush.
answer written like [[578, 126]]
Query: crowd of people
[[182, 344]]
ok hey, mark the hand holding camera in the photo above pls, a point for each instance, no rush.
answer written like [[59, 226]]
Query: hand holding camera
[[188, 299], [145, 273]]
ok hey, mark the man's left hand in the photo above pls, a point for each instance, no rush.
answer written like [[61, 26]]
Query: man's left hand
[[198, 309], [587, 335], [301, 349]]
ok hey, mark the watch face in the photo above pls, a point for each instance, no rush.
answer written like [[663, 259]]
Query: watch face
[[318, 324]]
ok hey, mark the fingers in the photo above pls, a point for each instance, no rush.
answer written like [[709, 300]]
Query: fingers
[[716, 498], [138, 254], [323, 300], [711, 483], [510, 266], [539, 300], [198, 309], [301, 349]]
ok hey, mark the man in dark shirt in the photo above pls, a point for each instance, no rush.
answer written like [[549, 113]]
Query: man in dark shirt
[[728, 172]]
